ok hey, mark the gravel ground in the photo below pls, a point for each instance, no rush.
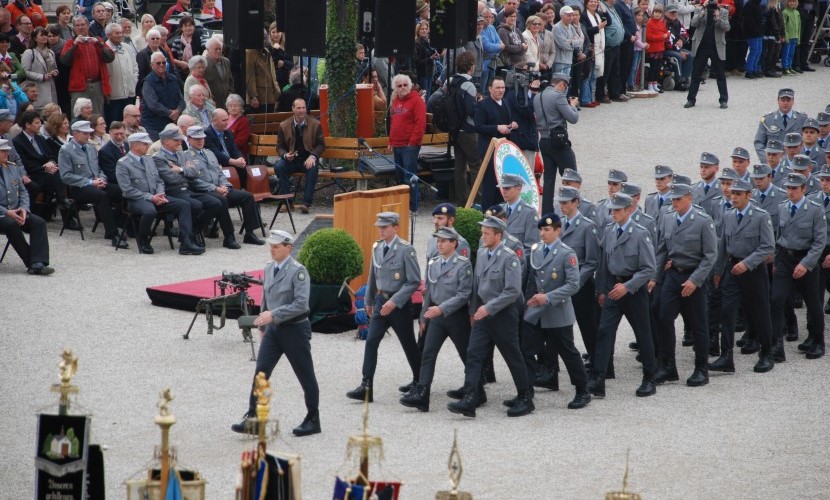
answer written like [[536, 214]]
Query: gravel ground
[[742, 436]]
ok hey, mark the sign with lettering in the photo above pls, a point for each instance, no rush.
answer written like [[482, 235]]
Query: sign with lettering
[[61, 457], [509, 159]]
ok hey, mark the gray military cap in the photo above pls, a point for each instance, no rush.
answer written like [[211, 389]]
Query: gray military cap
[[196, 132], [741, 185], [709, 159], [140, 137], [82, 126], [795, 180], [630, 189], [617, 176], [388, 219], [681, 179], [741, 153], [823, 118], [661, 171], [774, 146], [620, 200], [560, 77], [801, 162], [280, 237], [5, 145], [6, 116], [786, 93], [679, 191], [672, 8], [446, 233], [729, 174], [792, 139], [494, 222], [824, 172], [760, 171], [811, 123], [511, 180], [567, 194], [496, 210], [571, 175], [171, 131]]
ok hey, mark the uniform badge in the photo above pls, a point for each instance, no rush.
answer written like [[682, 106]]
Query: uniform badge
[[711, 225], [301, 276], [464, 252], [468, 272], [774, 128], [412, 253], [375, 245], [397, 276], [554, 275], [535, 246], [519, 253], [573, 260], [514, 264]]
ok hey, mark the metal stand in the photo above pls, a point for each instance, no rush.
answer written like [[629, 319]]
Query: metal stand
[[821, 32]]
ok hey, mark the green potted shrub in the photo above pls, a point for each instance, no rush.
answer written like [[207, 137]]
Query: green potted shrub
[[466, 223], [332, 257]]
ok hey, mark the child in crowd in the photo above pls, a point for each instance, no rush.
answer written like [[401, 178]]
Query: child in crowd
[[639, 45], [792, 32], [656, 35], [773, 38]]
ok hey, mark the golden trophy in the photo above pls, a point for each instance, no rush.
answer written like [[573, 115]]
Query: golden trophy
[[68, 367], [455, 471], [623, 495]]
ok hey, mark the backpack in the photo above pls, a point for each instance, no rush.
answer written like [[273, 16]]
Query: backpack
[[449, 113]]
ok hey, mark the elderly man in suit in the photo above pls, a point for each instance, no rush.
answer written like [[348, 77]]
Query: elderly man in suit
[[493, 120], [218, 72], [709, 42], [220, 141], [114, 150], [199, 108], [301, 155]]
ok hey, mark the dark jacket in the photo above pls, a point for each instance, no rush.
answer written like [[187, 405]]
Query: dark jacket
[[627, 17], [293, 92], [422, 60], [32, 160], [488, 118], [145, 68], [313, 140], [159, 97], [108, 156], [751, 19], [212, 142], [774, 24], [525, 136]]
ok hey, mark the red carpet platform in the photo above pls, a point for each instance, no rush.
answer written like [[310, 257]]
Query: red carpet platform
[[186, 294]]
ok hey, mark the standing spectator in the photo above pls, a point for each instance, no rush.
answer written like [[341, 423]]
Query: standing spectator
[[161, 98], [41, 68], [263, 91], [123, 74], [624, 10], [568, 38], [84, 8], [476, 48], [197, 65], [519, 103], [218, 71], [283, 62], [709, 43], [553, 113], [11, 95], [678, 46], [64, 24], [145, 69], [99, 21], [209, 8], [547, 49], [238, 123], [548, 14], [300, 146], [531, 38], [127, 35], [753, 31], [774, 36], [593, 25], [792, 33], [88, 57], [6, 26], [467, 160], [56, 44], [180, 7], [425, 57], [20, 42], [10, 58], [514, 45], [19, 8], [657, 34], [639, 46], [148, 22], [298, 88], [406, 128], [186, 45], [493, 121], [608, 87], [808, 14], [492, 44], [509, 7], [736, 45]]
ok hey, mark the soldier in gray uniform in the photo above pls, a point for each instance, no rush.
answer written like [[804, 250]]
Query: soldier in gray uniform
[[445, 313], [685, 259], [801, 241], [740, 162], [792, 147], [823, 198], [774, 125], [774, 156], [638, 215], [823, 139], [802, 164], [746, 243], [394, 276], [144, 191], [707, 192], [626, 265], [285, 329], [521, 217], [553, 279], [443, 215], [497, 289], [571, 178], [658, 202], [16, 218], [615, 180], [809, 140]]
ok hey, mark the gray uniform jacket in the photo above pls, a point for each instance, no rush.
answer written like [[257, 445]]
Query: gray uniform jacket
[[581, 236], [780, 174], [175, 182], [603, 217], [711, 201], [13, 194], [770, 203], [137, 180], [691, 245], [463, 248], [819, 198], [14, 156], [647, 222], [286, 294], [653, 207], [397, 275], [557, 276], [813, 186], [772, 127], [815, 153], [208, 175], [552, 110], [751, 241], [806, 230], [631, 256], [449, 286], [497, 281], [79, 168], [522, 224], [586, 208]]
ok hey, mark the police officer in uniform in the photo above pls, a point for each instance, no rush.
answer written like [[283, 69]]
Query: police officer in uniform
[[394, 276], [571, 178], [285, 329], [615, 180], [445, 313], [553, 279], [774, 125], [809, 140], [774, 155], [747, 241], [626, 265], [685, 259], [521, 217], [740, 162], [802, 164], [494, 305], [658, 202], [801, 241]]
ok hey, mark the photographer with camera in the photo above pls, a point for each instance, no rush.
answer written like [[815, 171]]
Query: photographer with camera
[[709, 42], [553, 113]]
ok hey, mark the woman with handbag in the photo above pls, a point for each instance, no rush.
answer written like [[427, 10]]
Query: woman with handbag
[[41, 67]]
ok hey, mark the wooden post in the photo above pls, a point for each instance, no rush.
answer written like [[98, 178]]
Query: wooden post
[[324, 109], [481, 171], [365, 110]]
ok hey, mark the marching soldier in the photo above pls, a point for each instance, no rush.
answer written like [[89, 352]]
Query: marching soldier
[[774, 155], [445, 313], [823, 198], [393, 277], [553, 278], [285, 329], [746, 243], [571, 178], [626, 265], [802, 164], [707, 193], [792, 147], [823, 121], [778, 123], [685, 258], [638, 215], [615, 180], [809, 140], [521, 217], [658, 202], [803, 235], [740, 162], [494, 305]]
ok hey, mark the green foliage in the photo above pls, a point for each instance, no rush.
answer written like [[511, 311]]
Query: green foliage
[[331, 257], [341, 70], [466, 223]]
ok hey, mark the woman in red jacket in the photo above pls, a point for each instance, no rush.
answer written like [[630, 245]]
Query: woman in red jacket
[[408, 119], [656, 35]]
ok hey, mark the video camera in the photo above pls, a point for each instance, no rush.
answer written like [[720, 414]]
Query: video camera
[[519, 80]]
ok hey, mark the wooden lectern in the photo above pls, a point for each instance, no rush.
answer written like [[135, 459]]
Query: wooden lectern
[[355, 212]]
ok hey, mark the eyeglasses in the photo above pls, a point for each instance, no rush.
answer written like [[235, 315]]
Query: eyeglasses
[[537, 24], [159, 63], [27, 24], [402, 85]]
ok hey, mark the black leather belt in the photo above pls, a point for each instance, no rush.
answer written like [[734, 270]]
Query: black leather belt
[[681, 270], [622, 279], [798, 254], [734, 260], [385, 295], [298, 319]]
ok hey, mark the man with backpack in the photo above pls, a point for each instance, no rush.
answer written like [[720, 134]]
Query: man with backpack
[[456, 111]]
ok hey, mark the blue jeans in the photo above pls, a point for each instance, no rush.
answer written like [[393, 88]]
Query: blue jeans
[[407, 158], [486, 76], [589, 86], [562, 68], [635, 68], [753, 59], [685, 66], [284, 170], [788, 53]]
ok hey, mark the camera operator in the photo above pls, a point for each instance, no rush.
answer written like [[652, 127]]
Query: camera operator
[[519, 99], [553, 113], [709, 42]]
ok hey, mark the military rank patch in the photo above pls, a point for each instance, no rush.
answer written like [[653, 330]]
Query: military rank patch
[[535, 246], [514, 264], [769, 221], [464, 252], [301, 276], [711, 226], [469, 272], [412, 253], [573, 260], [594, 230]]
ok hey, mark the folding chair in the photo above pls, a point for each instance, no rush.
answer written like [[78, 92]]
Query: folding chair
[[74, 211], [129, 219], [6, 249], [260, 187]]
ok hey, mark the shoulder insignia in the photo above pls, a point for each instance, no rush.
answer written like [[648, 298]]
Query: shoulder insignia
[[301, 276], [454, 260], [594, 230], [404, 242], [573, 260], [463, 258], [578, 221], [412, 253], [469, 271], [514, 264], [535, 246], [692, 217], [464, 252], [519, 252], [711, 225], [814, 203], [375, 244], [769, 221], [648, 238]]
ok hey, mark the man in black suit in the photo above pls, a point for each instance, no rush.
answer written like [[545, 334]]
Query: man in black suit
[[493, 120], [114, 150], [220, 141]]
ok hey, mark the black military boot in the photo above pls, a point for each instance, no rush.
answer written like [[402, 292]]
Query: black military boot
[[816, 351], [310, 425], [714, 345], [609, 372], [188, 247], [248, 424], [580, 400], [751, 346], [596, 386], [481, 396], [742, 341], [456, 393], [765, 362], [407, 387], [510, 403], [647, 388], [524, 405], [667, 372], [806, 345], [547, 380], [688, 340], [792, 331], [778, 354], [467, 406], [724, 363], [740, 326], [361, 392], [700, 376], [418, 398]]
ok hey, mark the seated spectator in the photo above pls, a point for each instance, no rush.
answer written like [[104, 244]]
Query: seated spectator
[[87, 57], [298, 88], [678, 46], [300, 146], [11, 95], [114, 150], [123, 73], [209, 9], [221, 142], [197, 65], [100, 137], [41, 69], [148, 22], [82, 110], [514, 45], [186, 45], [57, 133], [16, 218], [17, 127], [132, 119], [199, 108], [162, 100], [48, 111], [262, 92], [10, 59], [238, 123], [64, 24], [20, 42]]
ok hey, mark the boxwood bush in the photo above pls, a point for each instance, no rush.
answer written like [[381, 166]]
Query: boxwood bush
[[331, 257]]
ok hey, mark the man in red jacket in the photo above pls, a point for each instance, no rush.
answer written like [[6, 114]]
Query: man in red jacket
[[88, 57], [408, 119]]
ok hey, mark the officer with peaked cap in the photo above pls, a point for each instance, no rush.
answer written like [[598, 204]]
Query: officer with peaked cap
[[740, 162], [494, 306], [745, 245], [625, 267], [809, 140], [685, 259], [571, 178], [707, 192], [554, 277], [443, 215], [823, 199], [638, 216], [778, 123], [285, 329], [823, 120], [658, 202], [801, 241], [792, 147], [774, 155], [444, 313], [521, 217], [615, 180], [802, 164], [394, 276]]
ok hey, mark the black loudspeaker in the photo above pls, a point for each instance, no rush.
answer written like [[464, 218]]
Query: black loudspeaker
[[305, 27], [366, 21], [244, 24], [450, 23], [394, 27], [280, 14]]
